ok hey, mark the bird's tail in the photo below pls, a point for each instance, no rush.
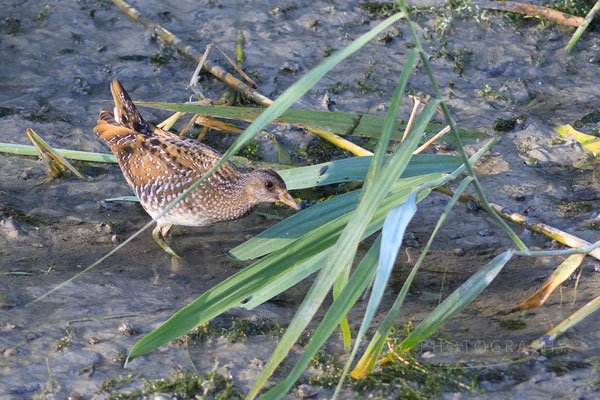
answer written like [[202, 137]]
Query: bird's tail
[[125, 113]]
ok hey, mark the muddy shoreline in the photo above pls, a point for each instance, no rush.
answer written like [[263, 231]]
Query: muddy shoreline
[[58, 59]]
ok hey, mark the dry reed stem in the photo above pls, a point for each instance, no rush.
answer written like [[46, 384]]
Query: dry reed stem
[[433, 139], [188, 125], [215, 70], [219, 125], [530, 9], [413, 113], [168, 123]]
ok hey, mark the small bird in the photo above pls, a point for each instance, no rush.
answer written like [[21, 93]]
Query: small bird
[[159, 166]]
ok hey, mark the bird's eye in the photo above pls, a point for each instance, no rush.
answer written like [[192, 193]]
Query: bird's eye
[[269, 185]]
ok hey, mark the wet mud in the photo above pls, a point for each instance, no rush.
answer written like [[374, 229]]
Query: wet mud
[[58, 59]]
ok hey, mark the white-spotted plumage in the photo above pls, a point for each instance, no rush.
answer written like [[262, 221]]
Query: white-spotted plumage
[[160, 165]]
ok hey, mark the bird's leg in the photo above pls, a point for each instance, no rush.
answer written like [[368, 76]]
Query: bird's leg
[[159, 234]]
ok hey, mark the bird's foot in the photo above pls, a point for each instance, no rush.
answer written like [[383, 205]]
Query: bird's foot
[[159, 233]]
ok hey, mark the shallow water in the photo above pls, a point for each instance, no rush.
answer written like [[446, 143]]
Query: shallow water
[[55, 74]]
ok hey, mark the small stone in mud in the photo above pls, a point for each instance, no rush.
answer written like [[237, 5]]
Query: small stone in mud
[[305, 391], [11, 229], [126, 328], [486, 232], [9, 352], [518, 196], [74, 219], [459, 252], [26, 174], [119, 358], [532, 162], [30, 336], [382, 107], [471, 206], [457, 236], [284, 8], [594, 60], [290, 67], [256, 362], [93, 341]]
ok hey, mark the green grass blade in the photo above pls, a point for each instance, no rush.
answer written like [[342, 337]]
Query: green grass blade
[[355, 169], [392, 234], [581, 28], [345, 247], [390, 123], [295, 275], [371, 355], [339, 123], [124, 198], [377, 161], [457, 301], [369, 359], [438, 95], [26, 150], [358, 282]]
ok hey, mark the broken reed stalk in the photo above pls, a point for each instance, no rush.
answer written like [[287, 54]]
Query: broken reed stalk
[[530, 9], [581, 28], [215, 70], [219, 125], [528, 223], [168, 123], [413, 113], [49, 155], [433, 139]]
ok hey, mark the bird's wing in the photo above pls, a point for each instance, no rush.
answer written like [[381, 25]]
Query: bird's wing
[[143, 157]]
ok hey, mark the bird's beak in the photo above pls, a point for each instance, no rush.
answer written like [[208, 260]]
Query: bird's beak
[[285, 198]]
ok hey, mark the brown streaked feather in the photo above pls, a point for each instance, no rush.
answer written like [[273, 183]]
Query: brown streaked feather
[[108, 116], [126, 113], [143, 157]]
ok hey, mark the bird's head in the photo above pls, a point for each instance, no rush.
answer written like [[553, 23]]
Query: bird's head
[[266, 186]]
